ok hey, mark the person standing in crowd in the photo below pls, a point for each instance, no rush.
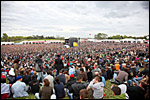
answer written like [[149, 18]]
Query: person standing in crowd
[[46, 91], [38, 67], [58, 64], [16, 66], [19, 89]]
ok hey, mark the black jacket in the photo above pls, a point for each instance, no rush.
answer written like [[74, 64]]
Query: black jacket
[[35, 86], [70, 82], [135, 92], [75, 89], [58, 64], [90, 76]]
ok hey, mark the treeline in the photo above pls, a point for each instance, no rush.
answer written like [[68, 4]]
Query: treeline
[[6, 38], [105, 36]]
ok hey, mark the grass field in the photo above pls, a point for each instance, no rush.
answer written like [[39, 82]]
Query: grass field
[[107, 91]]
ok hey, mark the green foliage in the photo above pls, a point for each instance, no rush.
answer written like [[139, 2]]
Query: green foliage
[[101, 36], [5, 37]]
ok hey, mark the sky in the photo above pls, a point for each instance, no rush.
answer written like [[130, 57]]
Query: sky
[[74, 18]]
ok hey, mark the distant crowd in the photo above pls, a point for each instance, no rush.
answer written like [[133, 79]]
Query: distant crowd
[[50, 71]]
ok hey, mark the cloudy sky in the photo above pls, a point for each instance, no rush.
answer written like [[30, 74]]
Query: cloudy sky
[[74, 18]]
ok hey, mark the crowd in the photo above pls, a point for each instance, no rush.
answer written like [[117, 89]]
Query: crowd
[[49, 71]]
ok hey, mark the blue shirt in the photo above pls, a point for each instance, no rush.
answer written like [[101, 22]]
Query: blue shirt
[[103, 80]]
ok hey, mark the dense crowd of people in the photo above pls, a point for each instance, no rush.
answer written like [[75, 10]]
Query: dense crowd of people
[[52, 71]]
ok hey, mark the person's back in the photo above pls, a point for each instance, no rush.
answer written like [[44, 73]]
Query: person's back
[[98, 87], [46, 92], [117, 66], [58, 63], [84, 74], [135, 92], [51, 80], [59, 89], [90, 76], [5, 89], [71, 81], [76, 87], [19, 89], [122, 76], [62, 78], [34, 85]]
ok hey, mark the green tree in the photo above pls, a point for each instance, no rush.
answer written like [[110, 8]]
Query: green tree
[[5, 37], [101, 36]]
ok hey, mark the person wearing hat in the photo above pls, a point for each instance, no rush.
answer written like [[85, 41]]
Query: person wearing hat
[[69, 83], [19, 88], [11, 76]]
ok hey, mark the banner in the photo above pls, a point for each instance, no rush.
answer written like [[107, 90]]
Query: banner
[[75, 44]]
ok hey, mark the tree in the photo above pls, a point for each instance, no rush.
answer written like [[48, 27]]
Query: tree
[[5, 37], [101, 36]]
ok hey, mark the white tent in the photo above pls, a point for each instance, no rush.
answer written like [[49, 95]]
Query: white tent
[[7, 43]]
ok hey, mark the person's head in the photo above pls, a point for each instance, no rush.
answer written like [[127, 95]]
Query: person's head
[[116, 90], [57, 80], [60, 72], [16, 61], [48, 73], [33, 77], [40, 56], [71, 76], [83, 93], [124, 65], [143, 85], [81, 70], [3, 80], [96, 73], [34, 73], [65, 72], [79, 78], [19, 78], [89, 70], [46, 82], [97, 79]]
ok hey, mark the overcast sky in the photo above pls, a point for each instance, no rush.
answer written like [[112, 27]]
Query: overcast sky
[[74, 18]]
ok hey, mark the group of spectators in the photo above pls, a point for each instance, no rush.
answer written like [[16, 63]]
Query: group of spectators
[[50, 71]]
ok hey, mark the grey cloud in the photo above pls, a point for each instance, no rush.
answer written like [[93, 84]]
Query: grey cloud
[[145, 5], [117, 14]]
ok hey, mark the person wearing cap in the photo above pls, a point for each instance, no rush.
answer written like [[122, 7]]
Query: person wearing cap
[[69, 83], [19, 88], [11, 76]]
